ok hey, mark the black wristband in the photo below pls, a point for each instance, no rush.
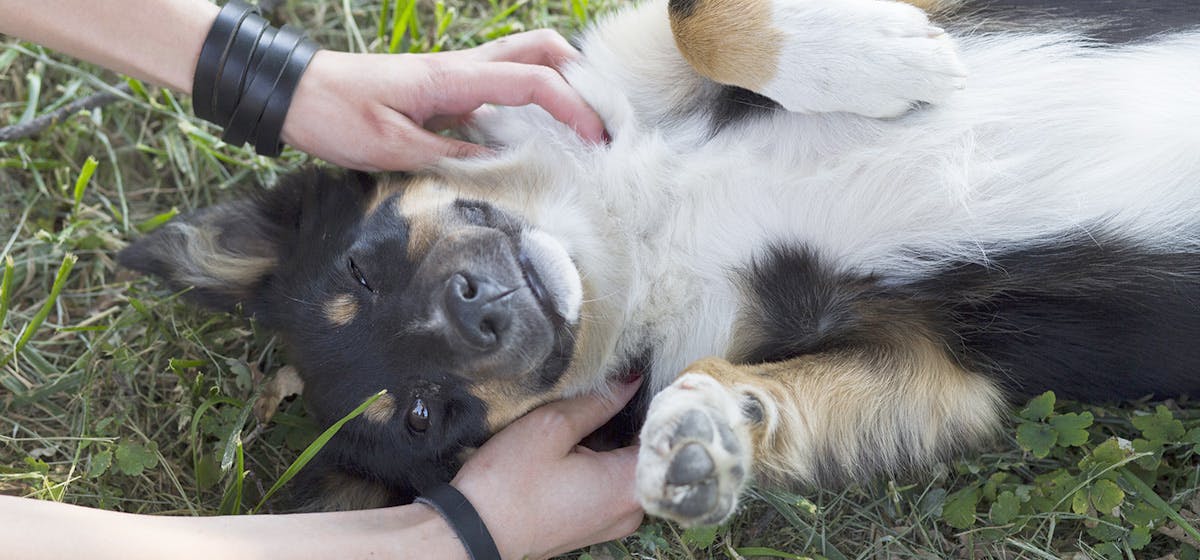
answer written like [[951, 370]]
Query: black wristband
[[260, 84], [462, 517], [270, 124], [236, 68], [247, 74], [216, 45]]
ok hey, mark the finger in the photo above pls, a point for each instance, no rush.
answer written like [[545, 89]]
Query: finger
[[431, 147], [467, 86], [540, 46], [575, 418]]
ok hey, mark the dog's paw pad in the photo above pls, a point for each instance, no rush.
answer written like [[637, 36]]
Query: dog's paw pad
[[693, 425], [691, 466]]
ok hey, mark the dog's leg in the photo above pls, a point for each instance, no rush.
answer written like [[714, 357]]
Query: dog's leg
[[822, 418], [872, 57]]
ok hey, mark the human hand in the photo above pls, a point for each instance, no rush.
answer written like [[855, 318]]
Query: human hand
[[541, 494], [370, 111]]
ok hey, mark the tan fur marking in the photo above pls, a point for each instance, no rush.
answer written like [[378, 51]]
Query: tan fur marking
[[884, 405], [382, 410], [341, 309], [384, 189], [506, 401], [730, 41], [214, 266], [423, 204]]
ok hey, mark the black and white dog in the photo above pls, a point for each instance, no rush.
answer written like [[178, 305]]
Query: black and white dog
[[869, 235]]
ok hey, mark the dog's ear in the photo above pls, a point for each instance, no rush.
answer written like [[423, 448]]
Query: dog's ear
[[227, 254]]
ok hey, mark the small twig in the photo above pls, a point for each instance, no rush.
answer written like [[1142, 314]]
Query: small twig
[[34, 126]]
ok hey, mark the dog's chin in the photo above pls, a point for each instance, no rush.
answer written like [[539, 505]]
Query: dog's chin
[[551, 275]]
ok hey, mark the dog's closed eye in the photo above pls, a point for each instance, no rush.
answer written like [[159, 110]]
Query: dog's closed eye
[[358, 275]]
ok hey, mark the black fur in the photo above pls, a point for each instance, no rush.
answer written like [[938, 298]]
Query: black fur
[[1096, 318], [734, 104], [1111, 21], [682, 8]]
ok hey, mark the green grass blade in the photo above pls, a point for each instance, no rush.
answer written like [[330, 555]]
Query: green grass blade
[[235, 436], [194, 430], [231, 503], [1147, 493], [6, 60], [401, 14], [769, 553], [35, 91], [60, 279], [503, 15], [381, 30], [85, 177], [154, 222], [314, 447], [6, 288]]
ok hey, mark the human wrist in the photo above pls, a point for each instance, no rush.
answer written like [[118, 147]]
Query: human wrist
[[310, 101], [463, 519], [246, 74], [435, 532]]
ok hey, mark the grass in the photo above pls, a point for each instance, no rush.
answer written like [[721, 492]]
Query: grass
[[114, 394]]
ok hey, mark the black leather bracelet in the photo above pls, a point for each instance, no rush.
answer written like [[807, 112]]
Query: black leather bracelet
[[270, 124], [260, 84], [216, 45], [236, 69], [246, 76], [463, 518]]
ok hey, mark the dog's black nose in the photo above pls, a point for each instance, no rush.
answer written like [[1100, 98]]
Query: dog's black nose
[[477, 309]]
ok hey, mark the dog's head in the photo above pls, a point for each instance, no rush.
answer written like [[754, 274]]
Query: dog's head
[[464, 312]]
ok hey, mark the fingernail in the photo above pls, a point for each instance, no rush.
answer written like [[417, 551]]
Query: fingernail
[[606, 137]]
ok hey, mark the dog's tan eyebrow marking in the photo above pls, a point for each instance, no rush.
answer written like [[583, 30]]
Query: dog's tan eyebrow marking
[[384, 190], [382, 410], [728, 41], [423, 205], [341, 309]]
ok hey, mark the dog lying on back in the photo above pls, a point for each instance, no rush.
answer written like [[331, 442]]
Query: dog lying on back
[[867, 253]]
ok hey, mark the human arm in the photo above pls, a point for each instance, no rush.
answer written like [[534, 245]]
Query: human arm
[[34, 529], [535, 491], [354, 110]]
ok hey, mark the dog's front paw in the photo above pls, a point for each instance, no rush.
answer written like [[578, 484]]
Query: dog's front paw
[[695, 452], [871, 57]]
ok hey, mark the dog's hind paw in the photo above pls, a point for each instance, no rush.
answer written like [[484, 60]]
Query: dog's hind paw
[[695, 452]]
